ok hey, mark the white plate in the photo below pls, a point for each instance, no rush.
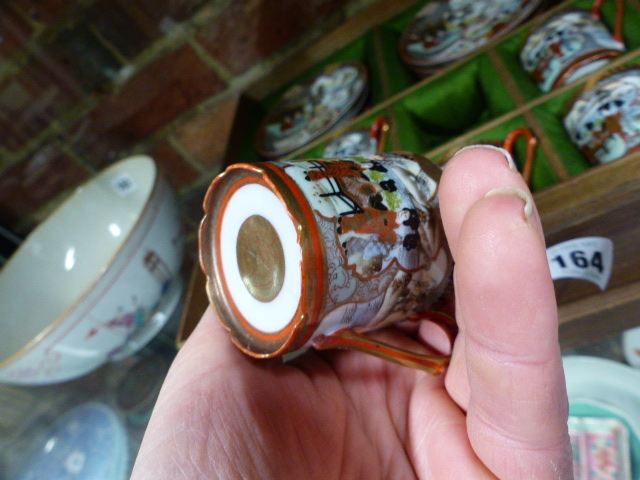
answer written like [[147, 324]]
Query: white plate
[[605, 381], [606, 384]]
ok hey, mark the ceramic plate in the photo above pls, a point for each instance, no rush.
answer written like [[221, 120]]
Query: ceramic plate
[[600, 384], [628, 460], [87, 442], [604, 381], [447, 30], [312, 107]]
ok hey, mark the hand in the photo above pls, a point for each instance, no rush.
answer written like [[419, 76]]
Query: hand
[[500, 411]]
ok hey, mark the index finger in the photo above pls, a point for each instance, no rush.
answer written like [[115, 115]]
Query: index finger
[[507, 353], [468, 176]]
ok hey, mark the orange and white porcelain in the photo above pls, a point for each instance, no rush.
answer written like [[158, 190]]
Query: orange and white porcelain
[[95, 281], [571, 45], [314, 253]]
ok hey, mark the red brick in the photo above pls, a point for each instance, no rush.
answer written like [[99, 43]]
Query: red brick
[[80, 51], [124, 25], [172, 166], [33, 98], [44, 11], [206, 136], [97, 146], [164, 12], [14, 32], [165, 89], [12, 137], [251, 30], [38, 179]]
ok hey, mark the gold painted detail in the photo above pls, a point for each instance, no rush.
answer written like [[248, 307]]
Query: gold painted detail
[[260, 258]]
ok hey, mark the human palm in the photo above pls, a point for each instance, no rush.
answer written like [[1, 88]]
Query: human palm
[[500, 411]]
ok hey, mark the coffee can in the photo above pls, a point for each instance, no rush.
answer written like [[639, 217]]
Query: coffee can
[[316, 253]]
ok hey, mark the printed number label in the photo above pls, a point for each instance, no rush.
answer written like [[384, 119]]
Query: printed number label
[[588, 258], [123, 184]]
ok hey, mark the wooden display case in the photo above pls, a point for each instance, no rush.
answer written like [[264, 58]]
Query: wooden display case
[[486, 96]]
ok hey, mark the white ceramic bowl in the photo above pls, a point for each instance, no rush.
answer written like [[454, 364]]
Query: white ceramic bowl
[[93, 282]]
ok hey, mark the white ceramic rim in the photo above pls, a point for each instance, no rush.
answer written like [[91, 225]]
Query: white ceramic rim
[[607, 384], [256, 199], [153, 192], [606, 381]]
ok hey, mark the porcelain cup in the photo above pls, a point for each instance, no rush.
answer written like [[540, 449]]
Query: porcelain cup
[[571, 45], [604, 122], [93, 282], [316, 253]]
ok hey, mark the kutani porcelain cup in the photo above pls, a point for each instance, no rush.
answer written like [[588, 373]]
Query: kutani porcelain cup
[[604, 122], [95, 281], [571, 45], [359, 141], [314, 253]]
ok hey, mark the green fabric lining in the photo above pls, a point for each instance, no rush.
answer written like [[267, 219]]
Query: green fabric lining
[[459, 100], [550, 116], [398, 75], [449, 104], [543, 174]]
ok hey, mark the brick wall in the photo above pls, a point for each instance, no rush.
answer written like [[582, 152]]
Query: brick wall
[[84, 83]]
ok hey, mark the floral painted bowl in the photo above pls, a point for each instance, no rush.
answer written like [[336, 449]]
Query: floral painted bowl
[[95, 281]]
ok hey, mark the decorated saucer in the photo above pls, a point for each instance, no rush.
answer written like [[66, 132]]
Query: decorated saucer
[[447, 30], [312, 107]]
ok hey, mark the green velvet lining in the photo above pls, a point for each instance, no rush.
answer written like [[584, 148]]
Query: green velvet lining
[[397, 74], [456, 101], [543, 174], [550, 116], [449, 104]]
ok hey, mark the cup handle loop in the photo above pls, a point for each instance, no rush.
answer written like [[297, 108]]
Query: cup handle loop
[[346, 338], [532, 142], [617, 29], [379, 131]]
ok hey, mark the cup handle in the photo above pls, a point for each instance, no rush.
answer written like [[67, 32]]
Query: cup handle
[[532, 142], [350, 339], [617, 29], [379, 131]]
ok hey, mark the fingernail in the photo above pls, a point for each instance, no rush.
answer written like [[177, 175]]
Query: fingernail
[[528, 202], [507, 155]]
